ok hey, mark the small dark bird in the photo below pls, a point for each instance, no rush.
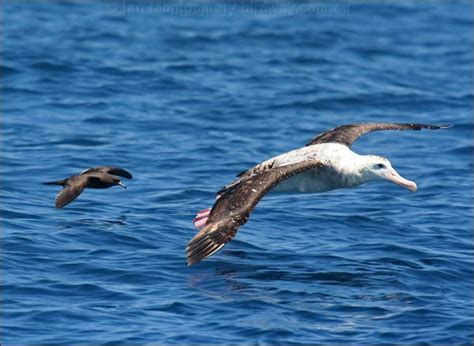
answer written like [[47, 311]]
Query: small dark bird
[[94, 178]]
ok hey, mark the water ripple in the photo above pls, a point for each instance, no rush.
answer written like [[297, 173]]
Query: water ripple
[[185, 100]]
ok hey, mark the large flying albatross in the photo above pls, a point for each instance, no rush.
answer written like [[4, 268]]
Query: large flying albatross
[[325, 163]]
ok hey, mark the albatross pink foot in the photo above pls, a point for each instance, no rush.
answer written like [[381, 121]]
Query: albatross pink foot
[[201, 218]]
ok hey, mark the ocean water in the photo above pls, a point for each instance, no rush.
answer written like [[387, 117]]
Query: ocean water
[[186, 96]]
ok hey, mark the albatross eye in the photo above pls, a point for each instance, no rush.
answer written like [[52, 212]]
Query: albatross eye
[[380, 165]]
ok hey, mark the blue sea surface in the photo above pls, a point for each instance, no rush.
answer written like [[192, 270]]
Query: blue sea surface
[[185, 96]]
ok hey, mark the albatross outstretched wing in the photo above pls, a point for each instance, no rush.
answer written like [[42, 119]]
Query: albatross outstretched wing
[[110, 170], [234, 206], [347, 134]]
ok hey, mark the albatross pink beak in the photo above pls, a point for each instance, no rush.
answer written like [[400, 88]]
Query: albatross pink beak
[[396, 178]]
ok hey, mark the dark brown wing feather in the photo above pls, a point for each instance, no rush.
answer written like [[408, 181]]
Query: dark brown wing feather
[[234, 206], [110, 170], [71, 190], [347, 134], [264, 166]]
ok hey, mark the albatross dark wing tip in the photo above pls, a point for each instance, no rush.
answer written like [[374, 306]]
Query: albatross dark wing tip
[[210, 240], [434, 127], [429, 127]]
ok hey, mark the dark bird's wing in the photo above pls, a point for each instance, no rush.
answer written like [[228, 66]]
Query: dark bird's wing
[[57, 182], [71, 190], [234, 206], [347, 134], [110, 170]]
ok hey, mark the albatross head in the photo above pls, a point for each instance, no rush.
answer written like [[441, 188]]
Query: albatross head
[[379, 168]]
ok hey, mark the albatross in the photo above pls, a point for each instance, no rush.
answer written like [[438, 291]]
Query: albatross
[[325, 163], [101, 177]]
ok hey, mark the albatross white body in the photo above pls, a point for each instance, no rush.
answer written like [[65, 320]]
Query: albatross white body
[[342, 168]]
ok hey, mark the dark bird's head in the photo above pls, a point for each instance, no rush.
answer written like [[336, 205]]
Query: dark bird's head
[[116, 181]]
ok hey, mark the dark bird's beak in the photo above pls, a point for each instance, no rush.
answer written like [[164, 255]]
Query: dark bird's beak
[[122, 185]]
